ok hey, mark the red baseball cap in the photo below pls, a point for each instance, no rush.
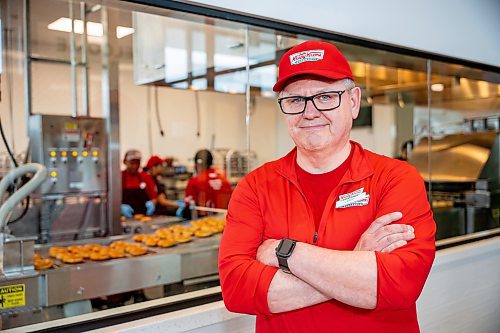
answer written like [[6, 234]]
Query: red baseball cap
[[154, 161], [313, 58]]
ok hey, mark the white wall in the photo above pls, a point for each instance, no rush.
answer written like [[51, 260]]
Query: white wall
[[466, 29], [462, 293]]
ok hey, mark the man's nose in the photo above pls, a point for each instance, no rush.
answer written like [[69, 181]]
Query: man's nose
[[310, 111]]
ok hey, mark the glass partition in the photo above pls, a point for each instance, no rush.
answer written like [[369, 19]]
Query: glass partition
[[189, 82], [464, 171]]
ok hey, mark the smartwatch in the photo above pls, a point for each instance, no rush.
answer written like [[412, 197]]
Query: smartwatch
[[283, 252]]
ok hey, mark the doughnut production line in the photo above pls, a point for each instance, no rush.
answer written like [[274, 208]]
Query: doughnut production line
[[69, 252]]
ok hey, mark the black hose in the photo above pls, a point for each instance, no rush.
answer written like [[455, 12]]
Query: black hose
[[158, 120], [7, 144]]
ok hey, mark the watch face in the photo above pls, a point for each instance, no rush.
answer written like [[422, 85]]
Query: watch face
[[286, 246]]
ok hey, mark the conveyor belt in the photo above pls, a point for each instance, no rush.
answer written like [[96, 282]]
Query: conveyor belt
[[73, 282]]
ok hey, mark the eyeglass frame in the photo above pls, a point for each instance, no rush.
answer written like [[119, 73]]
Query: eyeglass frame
[[311, 98]]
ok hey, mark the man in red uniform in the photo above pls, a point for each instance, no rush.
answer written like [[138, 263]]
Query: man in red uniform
[[209, 188], [138, 188], [331, 237]]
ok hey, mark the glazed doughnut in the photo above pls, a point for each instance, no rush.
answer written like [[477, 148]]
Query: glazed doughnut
[[203, 233], [150, 240], [216, 229], [166, 243], [72, 258], [118, 244], [138, 216], [138, 237], [197, 224], [53, 251], [116, 253], [103, 255], [84, 253], [41, 264], [74, 248], [136, 250], [182, 238], [61, 254], [163, 233], [91, 247]]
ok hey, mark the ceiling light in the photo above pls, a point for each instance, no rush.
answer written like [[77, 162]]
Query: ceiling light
[[123, 31], [93, 28], [437, 87]]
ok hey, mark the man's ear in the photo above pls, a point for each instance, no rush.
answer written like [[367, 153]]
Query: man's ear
[[355, 100]]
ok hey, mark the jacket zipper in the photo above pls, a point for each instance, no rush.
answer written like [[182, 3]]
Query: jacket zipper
[[315, 237]]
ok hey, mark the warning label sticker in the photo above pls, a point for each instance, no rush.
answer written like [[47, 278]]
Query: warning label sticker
[[12, 296]]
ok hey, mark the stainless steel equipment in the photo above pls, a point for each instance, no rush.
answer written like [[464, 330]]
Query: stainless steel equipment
[[71, 203], [235, 163], [16, 254], [17, 273], [73, 150], [50, 294], [463, 174]]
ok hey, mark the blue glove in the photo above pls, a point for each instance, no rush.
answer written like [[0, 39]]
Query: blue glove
[[127, 210], [150, 207], [181, 205]]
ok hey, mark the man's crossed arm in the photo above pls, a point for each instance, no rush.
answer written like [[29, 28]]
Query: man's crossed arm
[[320, 274]]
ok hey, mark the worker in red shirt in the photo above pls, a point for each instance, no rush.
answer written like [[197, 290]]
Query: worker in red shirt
[[155, 167], [138, 188], [331, 237], [209, 187]]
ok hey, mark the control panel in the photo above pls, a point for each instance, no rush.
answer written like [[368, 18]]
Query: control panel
[[73, 150]]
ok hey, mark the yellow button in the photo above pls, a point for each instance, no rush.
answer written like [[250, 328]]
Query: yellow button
[[53, 174], [52, 154], [64, 153], [74, 153], [95, 153], [85, 153]]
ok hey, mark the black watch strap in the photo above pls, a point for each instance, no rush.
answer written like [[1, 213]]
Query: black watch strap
[[283, 252], [283, 263]]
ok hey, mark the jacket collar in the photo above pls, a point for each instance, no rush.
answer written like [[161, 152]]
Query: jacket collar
[[359, 167]]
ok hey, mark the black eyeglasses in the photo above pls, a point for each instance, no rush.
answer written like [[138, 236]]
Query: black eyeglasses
[[323, 101]]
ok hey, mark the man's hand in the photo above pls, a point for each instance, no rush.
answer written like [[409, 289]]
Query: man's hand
[[382, 237], [266, 253]]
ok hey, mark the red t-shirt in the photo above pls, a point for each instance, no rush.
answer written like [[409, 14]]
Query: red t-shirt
[[134, 181], [317, 187], [209, 189]]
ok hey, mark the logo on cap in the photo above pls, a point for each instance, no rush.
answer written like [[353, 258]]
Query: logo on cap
[[309, 55]]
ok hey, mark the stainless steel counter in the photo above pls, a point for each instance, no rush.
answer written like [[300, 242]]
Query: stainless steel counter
[[71, 283]]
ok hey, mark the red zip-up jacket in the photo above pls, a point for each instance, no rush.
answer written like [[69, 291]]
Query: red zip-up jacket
[[268, 203]]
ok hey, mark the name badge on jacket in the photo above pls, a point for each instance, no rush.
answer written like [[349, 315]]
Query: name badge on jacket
[[354, 198]]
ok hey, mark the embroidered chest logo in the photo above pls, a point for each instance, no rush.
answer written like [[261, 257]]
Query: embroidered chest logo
[[354, 198]]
